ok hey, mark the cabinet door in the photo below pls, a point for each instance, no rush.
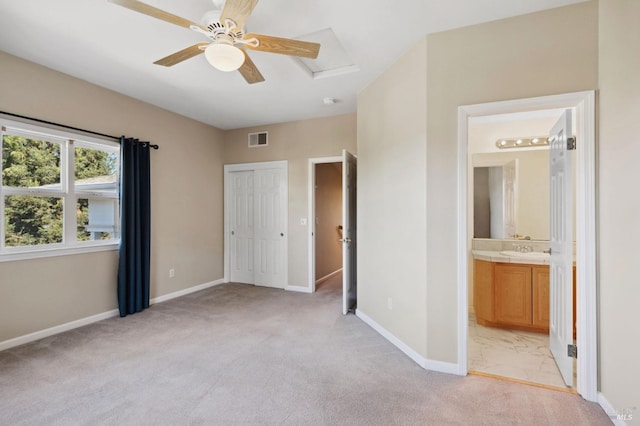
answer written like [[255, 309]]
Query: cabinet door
[[483, 289], [512, 294], [540, 282]]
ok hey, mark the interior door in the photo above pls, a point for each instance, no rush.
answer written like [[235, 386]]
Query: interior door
[[269, 227], [241, 227], [561, 243], [349, 188]]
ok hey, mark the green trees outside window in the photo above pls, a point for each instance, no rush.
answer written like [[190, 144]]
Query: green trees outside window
[[34, 213]]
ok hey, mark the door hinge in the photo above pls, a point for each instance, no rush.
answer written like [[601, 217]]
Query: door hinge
[[571, 144], [572, 351]]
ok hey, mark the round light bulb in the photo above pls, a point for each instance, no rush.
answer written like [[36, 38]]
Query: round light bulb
[[535, 140], [519, 141], [503, 143], [224, 57]]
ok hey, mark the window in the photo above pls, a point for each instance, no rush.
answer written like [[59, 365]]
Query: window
[[59, 192]]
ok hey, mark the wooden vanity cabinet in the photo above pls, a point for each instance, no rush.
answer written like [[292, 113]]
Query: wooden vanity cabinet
[[483, 290], [509, 295], [512, 294], [540, 292]]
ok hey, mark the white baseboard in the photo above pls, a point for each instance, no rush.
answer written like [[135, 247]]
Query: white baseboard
[[41, 334], [32, 337], [328, 276], [616, 416], [298, 289], [427, 364], [186, 291]]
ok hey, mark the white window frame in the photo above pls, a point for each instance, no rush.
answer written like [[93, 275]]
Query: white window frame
[[68, 141]]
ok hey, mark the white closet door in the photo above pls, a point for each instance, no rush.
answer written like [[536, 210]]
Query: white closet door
[[270, 227], [241, 229]]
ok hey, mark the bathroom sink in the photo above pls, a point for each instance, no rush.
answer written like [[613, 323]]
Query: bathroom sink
[[530, 255]]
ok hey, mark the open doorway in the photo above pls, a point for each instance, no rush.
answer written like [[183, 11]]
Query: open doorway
[[332, 223], [328, 224], [586, 314], [509, 270]]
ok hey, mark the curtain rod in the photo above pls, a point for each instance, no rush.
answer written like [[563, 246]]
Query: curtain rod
[[68, 127]]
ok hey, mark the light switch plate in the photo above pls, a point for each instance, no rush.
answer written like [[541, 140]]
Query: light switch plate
[[303, 221]]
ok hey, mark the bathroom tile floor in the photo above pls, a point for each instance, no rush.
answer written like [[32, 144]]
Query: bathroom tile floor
[[513, 354]]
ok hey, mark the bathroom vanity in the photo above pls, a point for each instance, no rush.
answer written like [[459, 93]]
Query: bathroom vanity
[[509, 294]]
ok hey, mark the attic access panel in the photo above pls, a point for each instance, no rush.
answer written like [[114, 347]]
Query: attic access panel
[[333, 59]]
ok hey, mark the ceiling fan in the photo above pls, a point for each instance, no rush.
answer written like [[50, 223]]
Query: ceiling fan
[[225, 29]]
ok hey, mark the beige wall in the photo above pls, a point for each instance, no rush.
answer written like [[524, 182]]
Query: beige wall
[[186, 201], [391, 199], [619, 233], [328, 217], [496, 61], [295, 142], [489, 62]]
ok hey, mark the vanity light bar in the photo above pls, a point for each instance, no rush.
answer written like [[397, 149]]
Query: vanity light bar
[[522, 142]]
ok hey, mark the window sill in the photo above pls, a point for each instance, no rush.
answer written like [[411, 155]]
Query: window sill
[[52, 252]]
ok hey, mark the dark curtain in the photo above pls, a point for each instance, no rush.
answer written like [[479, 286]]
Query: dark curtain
[[135, 226]]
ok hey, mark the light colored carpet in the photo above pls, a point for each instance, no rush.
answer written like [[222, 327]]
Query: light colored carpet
[[243, 355]]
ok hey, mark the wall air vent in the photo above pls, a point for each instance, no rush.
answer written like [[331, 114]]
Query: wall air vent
[[257, 139]]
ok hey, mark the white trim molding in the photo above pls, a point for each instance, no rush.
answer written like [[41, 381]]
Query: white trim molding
[[298, 288], [41, 334], [328, 276], [617, 417], [584, 103], [427, 364], [186, 291]]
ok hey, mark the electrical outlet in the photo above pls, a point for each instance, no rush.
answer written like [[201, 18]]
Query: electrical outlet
[[390, 303], [172, 273]]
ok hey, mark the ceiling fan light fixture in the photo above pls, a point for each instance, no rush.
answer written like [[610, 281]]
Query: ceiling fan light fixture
[[224, 57]]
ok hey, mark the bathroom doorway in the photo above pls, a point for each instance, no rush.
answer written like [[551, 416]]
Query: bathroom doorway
[[509, 336], [534, 109]]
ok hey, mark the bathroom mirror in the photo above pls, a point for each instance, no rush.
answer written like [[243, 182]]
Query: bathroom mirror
[[520, 207]]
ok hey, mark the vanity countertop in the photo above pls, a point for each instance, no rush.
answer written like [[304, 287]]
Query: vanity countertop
[[522, 258], [496, 256]]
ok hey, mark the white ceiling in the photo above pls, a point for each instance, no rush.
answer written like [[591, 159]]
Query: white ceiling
[[114, 47]]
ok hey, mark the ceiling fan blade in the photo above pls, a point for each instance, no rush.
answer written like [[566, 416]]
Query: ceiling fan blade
[[180, 56], [284, 46], [154, 12], [238, 11], [249, 70]]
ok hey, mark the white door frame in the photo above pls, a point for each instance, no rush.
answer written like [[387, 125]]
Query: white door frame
[[586, 298], [230, 168], [312, 214]]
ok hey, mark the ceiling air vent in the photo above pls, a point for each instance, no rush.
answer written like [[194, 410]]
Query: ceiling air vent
[[257, 139]]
